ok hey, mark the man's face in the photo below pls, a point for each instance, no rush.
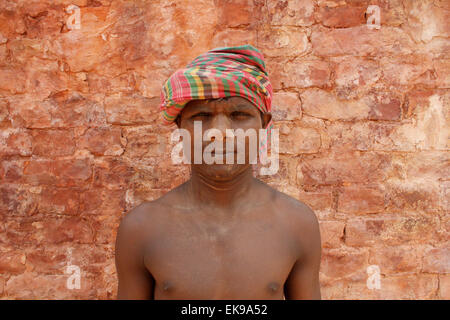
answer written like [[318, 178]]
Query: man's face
[[221, 114]]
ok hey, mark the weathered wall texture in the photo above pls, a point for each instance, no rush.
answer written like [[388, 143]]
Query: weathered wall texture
[[363, 116]]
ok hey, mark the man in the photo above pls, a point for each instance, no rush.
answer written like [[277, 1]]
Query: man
[[223, 234]]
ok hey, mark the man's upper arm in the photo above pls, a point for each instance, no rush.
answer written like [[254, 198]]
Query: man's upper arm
[[303, 280], [135, 282]]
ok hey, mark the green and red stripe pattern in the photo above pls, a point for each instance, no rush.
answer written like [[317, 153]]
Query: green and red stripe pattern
[[218, 73]]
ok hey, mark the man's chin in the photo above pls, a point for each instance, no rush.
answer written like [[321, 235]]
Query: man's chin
[[222, 171]]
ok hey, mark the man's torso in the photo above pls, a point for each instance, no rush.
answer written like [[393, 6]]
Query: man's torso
[[200, 254]]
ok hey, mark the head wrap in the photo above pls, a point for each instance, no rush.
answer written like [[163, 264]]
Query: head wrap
[[221, 72]]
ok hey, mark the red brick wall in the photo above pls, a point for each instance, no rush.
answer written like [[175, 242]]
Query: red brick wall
[[363, 117]]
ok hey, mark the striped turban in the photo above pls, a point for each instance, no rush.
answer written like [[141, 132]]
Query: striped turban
[[218, 73]]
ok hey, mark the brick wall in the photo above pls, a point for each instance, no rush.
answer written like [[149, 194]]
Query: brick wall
[[363, 115]]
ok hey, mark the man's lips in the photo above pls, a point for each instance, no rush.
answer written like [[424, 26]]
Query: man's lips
[[220, 152]]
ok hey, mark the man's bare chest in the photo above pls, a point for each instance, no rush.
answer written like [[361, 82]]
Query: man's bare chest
[[248, 259]]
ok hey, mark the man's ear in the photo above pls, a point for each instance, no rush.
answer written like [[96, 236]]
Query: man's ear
[[266, 117]]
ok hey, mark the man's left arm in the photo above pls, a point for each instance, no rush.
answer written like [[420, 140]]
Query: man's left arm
[[303, 280]]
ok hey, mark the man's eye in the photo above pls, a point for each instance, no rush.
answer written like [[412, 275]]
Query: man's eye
[[239, 114], [201, 114]]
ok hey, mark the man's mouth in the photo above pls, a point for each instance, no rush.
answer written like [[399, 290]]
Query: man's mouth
[[222, 152]]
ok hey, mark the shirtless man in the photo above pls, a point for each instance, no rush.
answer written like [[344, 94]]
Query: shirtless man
[[223, 234]]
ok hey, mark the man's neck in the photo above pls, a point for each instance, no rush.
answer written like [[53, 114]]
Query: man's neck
[[219, 194]]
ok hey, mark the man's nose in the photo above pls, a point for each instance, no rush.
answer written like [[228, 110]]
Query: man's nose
[[221, 122]]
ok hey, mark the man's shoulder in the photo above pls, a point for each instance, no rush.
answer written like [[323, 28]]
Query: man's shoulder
[[152, 208], [288, 203], [152, 212], [294, 211], [141, 216], [297, 208], [300, 221]]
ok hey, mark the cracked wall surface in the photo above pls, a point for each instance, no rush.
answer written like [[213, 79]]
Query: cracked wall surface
[[363, 115]]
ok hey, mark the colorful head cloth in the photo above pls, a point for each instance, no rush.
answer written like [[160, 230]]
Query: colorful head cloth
[[221, 72]]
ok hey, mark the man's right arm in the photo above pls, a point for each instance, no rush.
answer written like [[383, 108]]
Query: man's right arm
[[135, 282]]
